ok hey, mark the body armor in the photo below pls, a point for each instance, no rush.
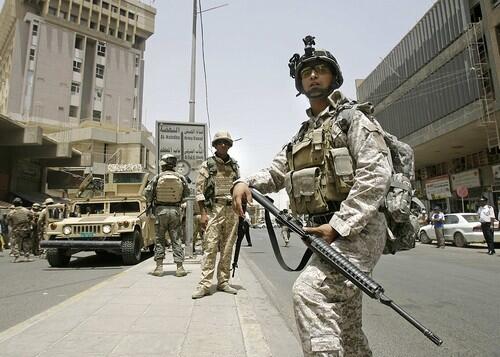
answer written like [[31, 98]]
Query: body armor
[[169, 188], [220, 181], [321, 175]]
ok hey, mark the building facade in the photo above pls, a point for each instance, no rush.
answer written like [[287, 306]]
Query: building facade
[[76, 69], [438, 90]]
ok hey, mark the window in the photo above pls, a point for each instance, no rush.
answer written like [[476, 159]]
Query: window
[[73, 111], [111, 32], [137, 60], [52, 11], [73, 18], [79, 43], [102, 28], [105, 5], [75, 87], [96, 2], [96, 115], [124, 207], [123, 12], [32, 54], [34, 31], [131, 15], [98, 95], [120, 35], [93, 25], [77, 66], [101, 49], [99, 71], [114, 8], [63, 14], [451, 219]]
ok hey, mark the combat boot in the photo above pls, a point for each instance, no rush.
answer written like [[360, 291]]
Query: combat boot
[[180, 272], [227, 289], [159, 268], [200, 292]]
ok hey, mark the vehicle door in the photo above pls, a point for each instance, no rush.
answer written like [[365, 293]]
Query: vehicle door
[[451, 222]]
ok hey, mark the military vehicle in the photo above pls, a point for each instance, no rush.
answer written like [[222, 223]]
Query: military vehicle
[[108, 218]]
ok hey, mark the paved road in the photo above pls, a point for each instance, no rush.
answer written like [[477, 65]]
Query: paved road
[[454, 292], [27, 289]]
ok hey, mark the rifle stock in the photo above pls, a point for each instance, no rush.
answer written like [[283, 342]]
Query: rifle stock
[[319, 246]]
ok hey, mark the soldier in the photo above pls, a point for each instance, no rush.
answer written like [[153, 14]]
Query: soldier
[[44, 216], [35, 231], [165, 193], [285, 231], [20, 220], [337, 171], [213, 185]]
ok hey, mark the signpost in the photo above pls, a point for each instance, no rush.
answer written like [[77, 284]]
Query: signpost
[[188, 143]]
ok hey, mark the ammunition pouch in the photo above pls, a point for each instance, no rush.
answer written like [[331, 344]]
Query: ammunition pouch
[[398, 199]]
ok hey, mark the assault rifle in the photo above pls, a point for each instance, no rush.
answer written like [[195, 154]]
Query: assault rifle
[[331, 256]]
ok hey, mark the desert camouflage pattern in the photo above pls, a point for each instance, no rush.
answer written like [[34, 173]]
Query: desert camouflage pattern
[[220, 233], [19, 220], [327, 307]]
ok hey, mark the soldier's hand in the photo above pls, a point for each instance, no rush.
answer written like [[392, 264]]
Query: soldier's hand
[[241, 195], [203, 221], [324, 231]]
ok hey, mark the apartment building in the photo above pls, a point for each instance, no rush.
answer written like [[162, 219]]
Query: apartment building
[[76, 69], [438, 90]]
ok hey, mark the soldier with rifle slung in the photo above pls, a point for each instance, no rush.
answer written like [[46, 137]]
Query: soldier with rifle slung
[[340, 178], [165, 194]]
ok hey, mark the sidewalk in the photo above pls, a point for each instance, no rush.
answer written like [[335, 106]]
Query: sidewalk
[[137, 314]]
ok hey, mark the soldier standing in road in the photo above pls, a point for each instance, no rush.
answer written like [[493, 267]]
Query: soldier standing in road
[[336, 168], [285, 231], [215, 178], [20, 220], [487, 218], [437, 220], [165, 193], [35, 232]]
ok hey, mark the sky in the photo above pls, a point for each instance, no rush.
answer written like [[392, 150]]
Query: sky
[[247, 47]]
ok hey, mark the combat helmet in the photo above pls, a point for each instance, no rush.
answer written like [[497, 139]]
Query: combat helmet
[[311, 54], [36, 206], [17, 201], [48, 201], [168, 160], [222, 135]]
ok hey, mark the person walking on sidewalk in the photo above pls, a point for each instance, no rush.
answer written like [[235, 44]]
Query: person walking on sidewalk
[[437, 220], [328, 307], [165, 193], [20, 220], [487, 218], [213, 184]]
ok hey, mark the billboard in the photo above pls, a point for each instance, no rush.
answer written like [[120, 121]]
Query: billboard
[[186, 141]]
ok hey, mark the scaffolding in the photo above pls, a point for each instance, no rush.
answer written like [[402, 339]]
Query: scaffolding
[[480, 68]]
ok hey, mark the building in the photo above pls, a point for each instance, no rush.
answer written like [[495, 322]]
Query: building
[[438, 90], [75, 68]]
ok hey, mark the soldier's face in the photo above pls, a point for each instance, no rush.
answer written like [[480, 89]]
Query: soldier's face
[[222, 147], [317, 80]]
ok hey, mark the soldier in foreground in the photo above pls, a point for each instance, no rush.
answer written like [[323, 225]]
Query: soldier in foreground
[[165, 193], [20, 220], [347, 163], [213, 184]]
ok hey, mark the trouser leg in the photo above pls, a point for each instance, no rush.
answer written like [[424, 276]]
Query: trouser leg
[[160, 241], [175, 232], [328, 311], [439, 236], [228, 238], [210, 244]]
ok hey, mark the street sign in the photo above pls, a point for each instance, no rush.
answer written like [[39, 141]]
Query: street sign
[[462, 191], [186, 141]]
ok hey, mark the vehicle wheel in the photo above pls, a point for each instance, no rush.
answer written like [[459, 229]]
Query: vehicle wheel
[[424, 238], [58, 257], [459, 240], [131, 248]]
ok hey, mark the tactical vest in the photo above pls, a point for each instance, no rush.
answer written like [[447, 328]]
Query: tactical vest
[[169, 189], [321, 175], [220, 180], [20, 218]]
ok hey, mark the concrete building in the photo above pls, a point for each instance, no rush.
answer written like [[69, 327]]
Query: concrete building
[[75, 68], [438, 90]]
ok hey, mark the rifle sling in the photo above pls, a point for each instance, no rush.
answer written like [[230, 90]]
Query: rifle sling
[[276, 248]]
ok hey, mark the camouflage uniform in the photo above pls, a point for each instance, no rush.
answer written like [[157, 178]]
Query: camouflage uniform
[[19, 220], [168, 219], [328, 306], [35, 232], [220, 232]]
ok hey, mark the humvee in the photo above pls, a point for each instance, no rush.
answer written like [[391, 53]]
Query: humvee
[[114, 221]]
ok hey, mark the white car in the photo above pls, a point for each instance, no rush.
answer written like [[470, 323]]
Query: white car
[[459, 228]]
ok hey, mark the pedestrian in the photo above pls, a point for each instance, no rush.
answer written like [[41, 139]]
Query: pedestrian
[[437, 220], [423, 218], [338, 173], [244, 229], [215, 178], [486, 215], [20, 220], [35, 232], [285, 231], [165, 193]]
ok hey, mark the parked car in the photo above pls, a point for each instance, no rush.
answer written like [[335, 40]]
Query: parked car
[[459, 228]]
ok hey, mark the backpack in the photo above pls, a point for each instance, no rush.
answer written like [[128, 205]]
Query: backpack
[[402, 223]]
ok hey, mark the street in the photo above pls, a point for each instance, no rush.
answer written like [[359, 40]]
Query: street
[[452, 292], [30, 288]]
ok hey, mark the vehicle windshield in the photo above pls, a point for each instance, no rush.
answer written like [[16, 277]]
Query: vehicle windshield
[[124, 207], [471, 218], [89, 208]]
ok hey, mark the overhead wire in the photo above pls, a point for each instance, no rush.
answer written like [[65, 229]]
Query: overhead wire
[[204, 69]]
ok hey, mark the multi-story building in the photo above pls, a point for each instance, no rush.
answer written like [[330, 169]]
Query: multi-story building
[[76, 69], [438, 90]]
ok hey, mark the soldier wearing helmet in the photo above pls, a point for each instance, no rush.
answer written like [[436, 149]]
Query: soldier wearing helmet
[[335, 170], [165, 193], [36, 209], [20, 220], [213, 184]]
